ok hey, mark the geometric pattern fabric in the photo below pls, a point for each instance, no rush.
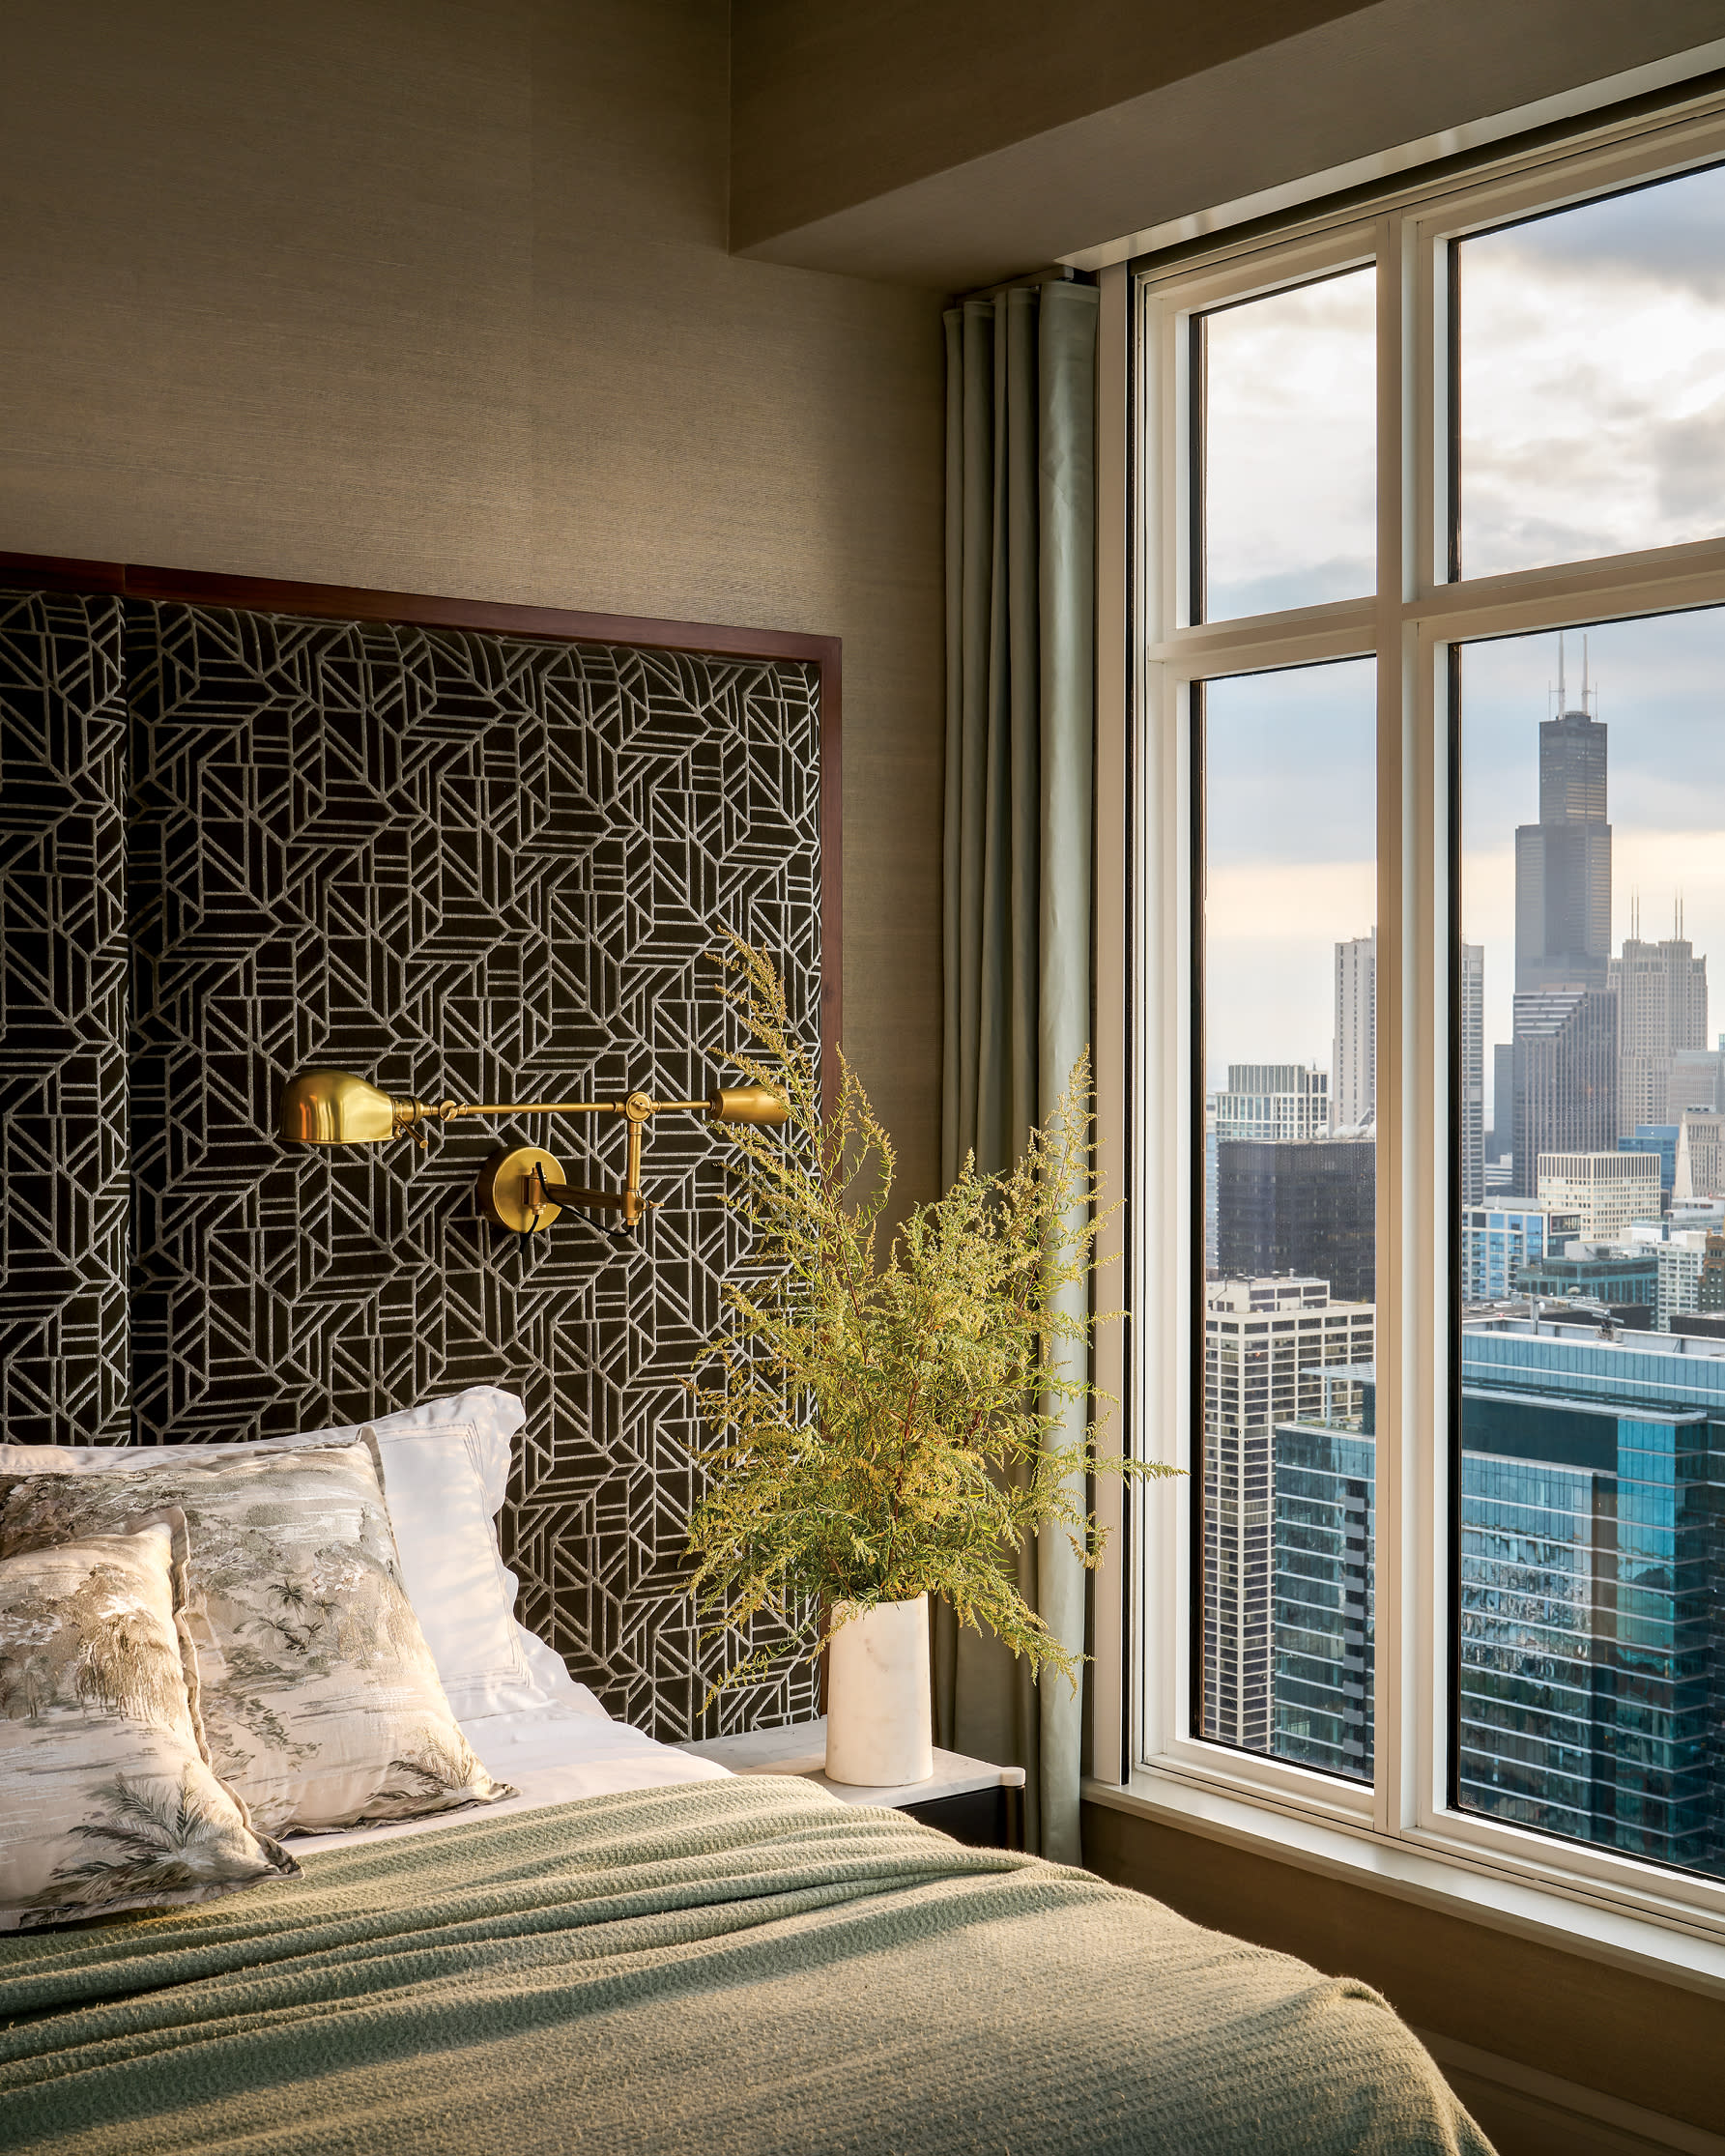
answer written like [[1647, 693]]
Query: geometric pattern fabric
[[458, 864]]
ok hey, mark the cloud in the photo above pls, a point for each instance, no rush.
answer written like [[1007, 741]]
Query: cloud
[[1290, 483], [1590, 376], [1688, 458], [1338, 577], [1671, 236]]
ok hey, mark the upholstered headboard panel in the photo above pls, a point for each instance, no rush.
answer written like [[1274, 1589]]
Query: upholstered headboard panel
[[457, 861]]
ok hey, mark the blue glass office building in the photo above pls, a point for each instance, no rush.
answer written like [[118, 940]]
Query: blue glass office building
[[1591, 1589], [1659, 1138], [1497, 1240], [1321, 1594]]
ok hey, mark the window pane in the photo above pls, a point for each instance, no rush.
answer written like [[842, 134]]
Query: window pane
[[1590, 1650], [1591, 379], [1287, 1004], [1290, 485]]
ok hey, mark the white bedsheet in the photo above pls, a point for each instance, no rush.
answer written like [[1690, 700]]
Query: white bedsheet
[[553, 1756]]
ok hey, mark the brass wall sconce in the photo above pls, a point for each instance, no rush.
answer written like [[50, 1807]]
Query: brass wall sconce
[[522, 1188]]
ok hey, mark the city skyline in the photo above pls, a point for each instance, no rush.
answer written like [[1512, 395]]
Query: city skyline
[[1289, 871], [1591, 844]]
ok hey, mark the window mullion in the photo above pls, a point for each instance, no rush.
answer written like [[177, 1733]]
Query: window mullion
[[1398, 1082]]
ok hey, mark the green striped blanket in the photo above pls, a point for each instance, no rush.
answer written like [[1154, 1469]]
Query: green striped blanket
[[743, 1968]]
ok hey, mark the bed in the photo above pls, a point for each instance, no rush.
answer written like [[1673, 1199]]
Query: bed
[[636, 1950], [642, 1952]]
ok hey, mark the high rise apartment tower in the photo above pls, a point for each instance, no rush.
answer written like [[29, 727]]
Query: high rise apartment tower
[[1273, 1101], [1354, 1093], [1267, 1343], [1472, 1103]]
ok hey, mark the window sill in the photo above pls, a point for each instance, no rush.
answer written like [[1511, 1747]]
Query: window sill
[[1669, 1953]]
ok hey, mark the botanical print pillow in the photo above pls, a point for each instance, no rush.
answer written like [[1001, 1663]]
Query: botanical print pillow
[[444, 1467], [321, 1701], [106, 1798]]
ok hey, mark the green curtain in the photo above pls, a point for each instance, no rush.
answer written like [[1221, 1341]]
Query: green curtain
[[1021, 578]]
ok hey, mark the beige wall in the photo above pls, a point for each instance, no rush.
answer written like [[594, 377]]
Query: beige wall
[[434, 295]]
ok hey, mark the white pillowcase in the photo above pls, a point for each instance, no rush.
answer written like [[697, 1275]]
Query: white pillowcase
[[444, 1467]]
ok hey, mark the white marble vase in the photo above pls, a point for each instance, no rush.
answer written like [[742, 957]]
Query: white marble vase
[[879, 1715]]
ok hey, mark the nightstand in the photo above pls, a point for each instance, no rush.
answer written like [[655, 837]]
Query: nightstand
[[972, 1800]]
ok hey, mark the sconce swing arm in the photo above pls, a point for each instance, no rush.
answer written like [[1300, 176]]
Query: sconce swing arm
[[522, 1188]]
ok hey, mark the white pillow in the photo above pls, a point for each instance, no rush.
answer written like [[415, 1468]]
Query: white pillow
[[445, 1466]]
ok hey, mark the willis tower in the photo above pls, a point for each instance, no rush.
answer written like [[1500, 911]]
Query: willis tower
[[1563, 863], [1566, 1045]]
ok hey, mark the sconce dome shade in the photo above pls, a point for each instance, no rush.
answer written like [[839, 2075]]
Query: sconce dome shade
[[749, 1104], [334, 1108]]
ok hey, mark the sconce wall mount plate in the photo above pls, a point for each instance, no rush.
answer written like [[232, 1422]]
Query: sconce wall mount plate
[[519, 1187]]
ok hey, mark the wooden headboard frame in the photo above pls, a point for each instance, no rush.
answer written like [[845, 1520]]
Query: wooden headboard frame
[[44, 573]]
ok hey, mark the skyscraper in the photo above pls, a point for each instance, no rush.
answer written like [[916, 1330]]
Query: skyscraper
[[1589, 1471], [1472, 1103], [1498, 1240], [1610, 1191], [1661, 1012], [1699, 1167], [1697, 1080], [1564, 1078], [1273, 1101], [1306, 1205], [1355, 1092], [1266, 1343], [1563, 863], [1265, 1100], [1592, 1650], [1500, 1137], [1322, 1586], [1565, 1028]]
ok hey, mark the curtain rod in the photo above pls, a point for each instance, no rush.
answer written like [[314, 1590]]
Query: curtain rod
[[1057, 273]]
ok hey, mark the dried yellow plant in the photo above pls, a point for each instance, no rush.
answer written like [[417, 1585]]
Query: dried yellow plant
[[888, 1427]]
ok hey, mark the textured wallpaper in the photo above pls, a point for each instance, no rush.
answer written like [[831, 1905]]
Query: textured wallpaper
[[457, 864]]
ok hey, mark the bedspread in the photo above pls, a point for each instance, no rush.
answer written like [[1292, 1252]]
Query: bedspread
[[743, 1968]]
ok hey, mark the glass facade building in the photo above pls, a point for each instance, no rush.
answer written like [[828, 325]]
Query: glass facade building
[[1321, 1592], [1622, 1279], [1306, 1206], [1498, 1240], [1591, 1653], [1659, 1138]]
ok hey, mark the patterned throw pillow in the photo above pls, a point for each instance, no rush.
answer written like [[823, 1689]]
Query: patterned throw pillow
[[106, 1798], [444, 1467], [321, 1701]]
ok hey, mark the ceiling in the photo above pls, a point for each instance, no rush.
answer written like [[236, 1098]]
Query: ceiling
[[957, 142]]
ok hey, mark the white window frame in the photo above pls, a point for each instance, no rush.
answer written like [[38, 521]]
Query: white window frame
[[1400, 1831]]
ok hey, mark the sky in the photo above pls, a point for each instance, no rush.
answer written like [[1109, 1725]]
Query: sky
[[1592, 413]]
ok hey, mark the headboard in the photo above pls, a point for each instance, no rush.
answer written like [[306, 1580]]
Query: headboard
[[458, 848]]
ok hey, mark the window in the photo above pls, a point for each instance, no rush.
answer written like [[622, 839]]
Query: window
[[1288, 1204], [1425, 1098]]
